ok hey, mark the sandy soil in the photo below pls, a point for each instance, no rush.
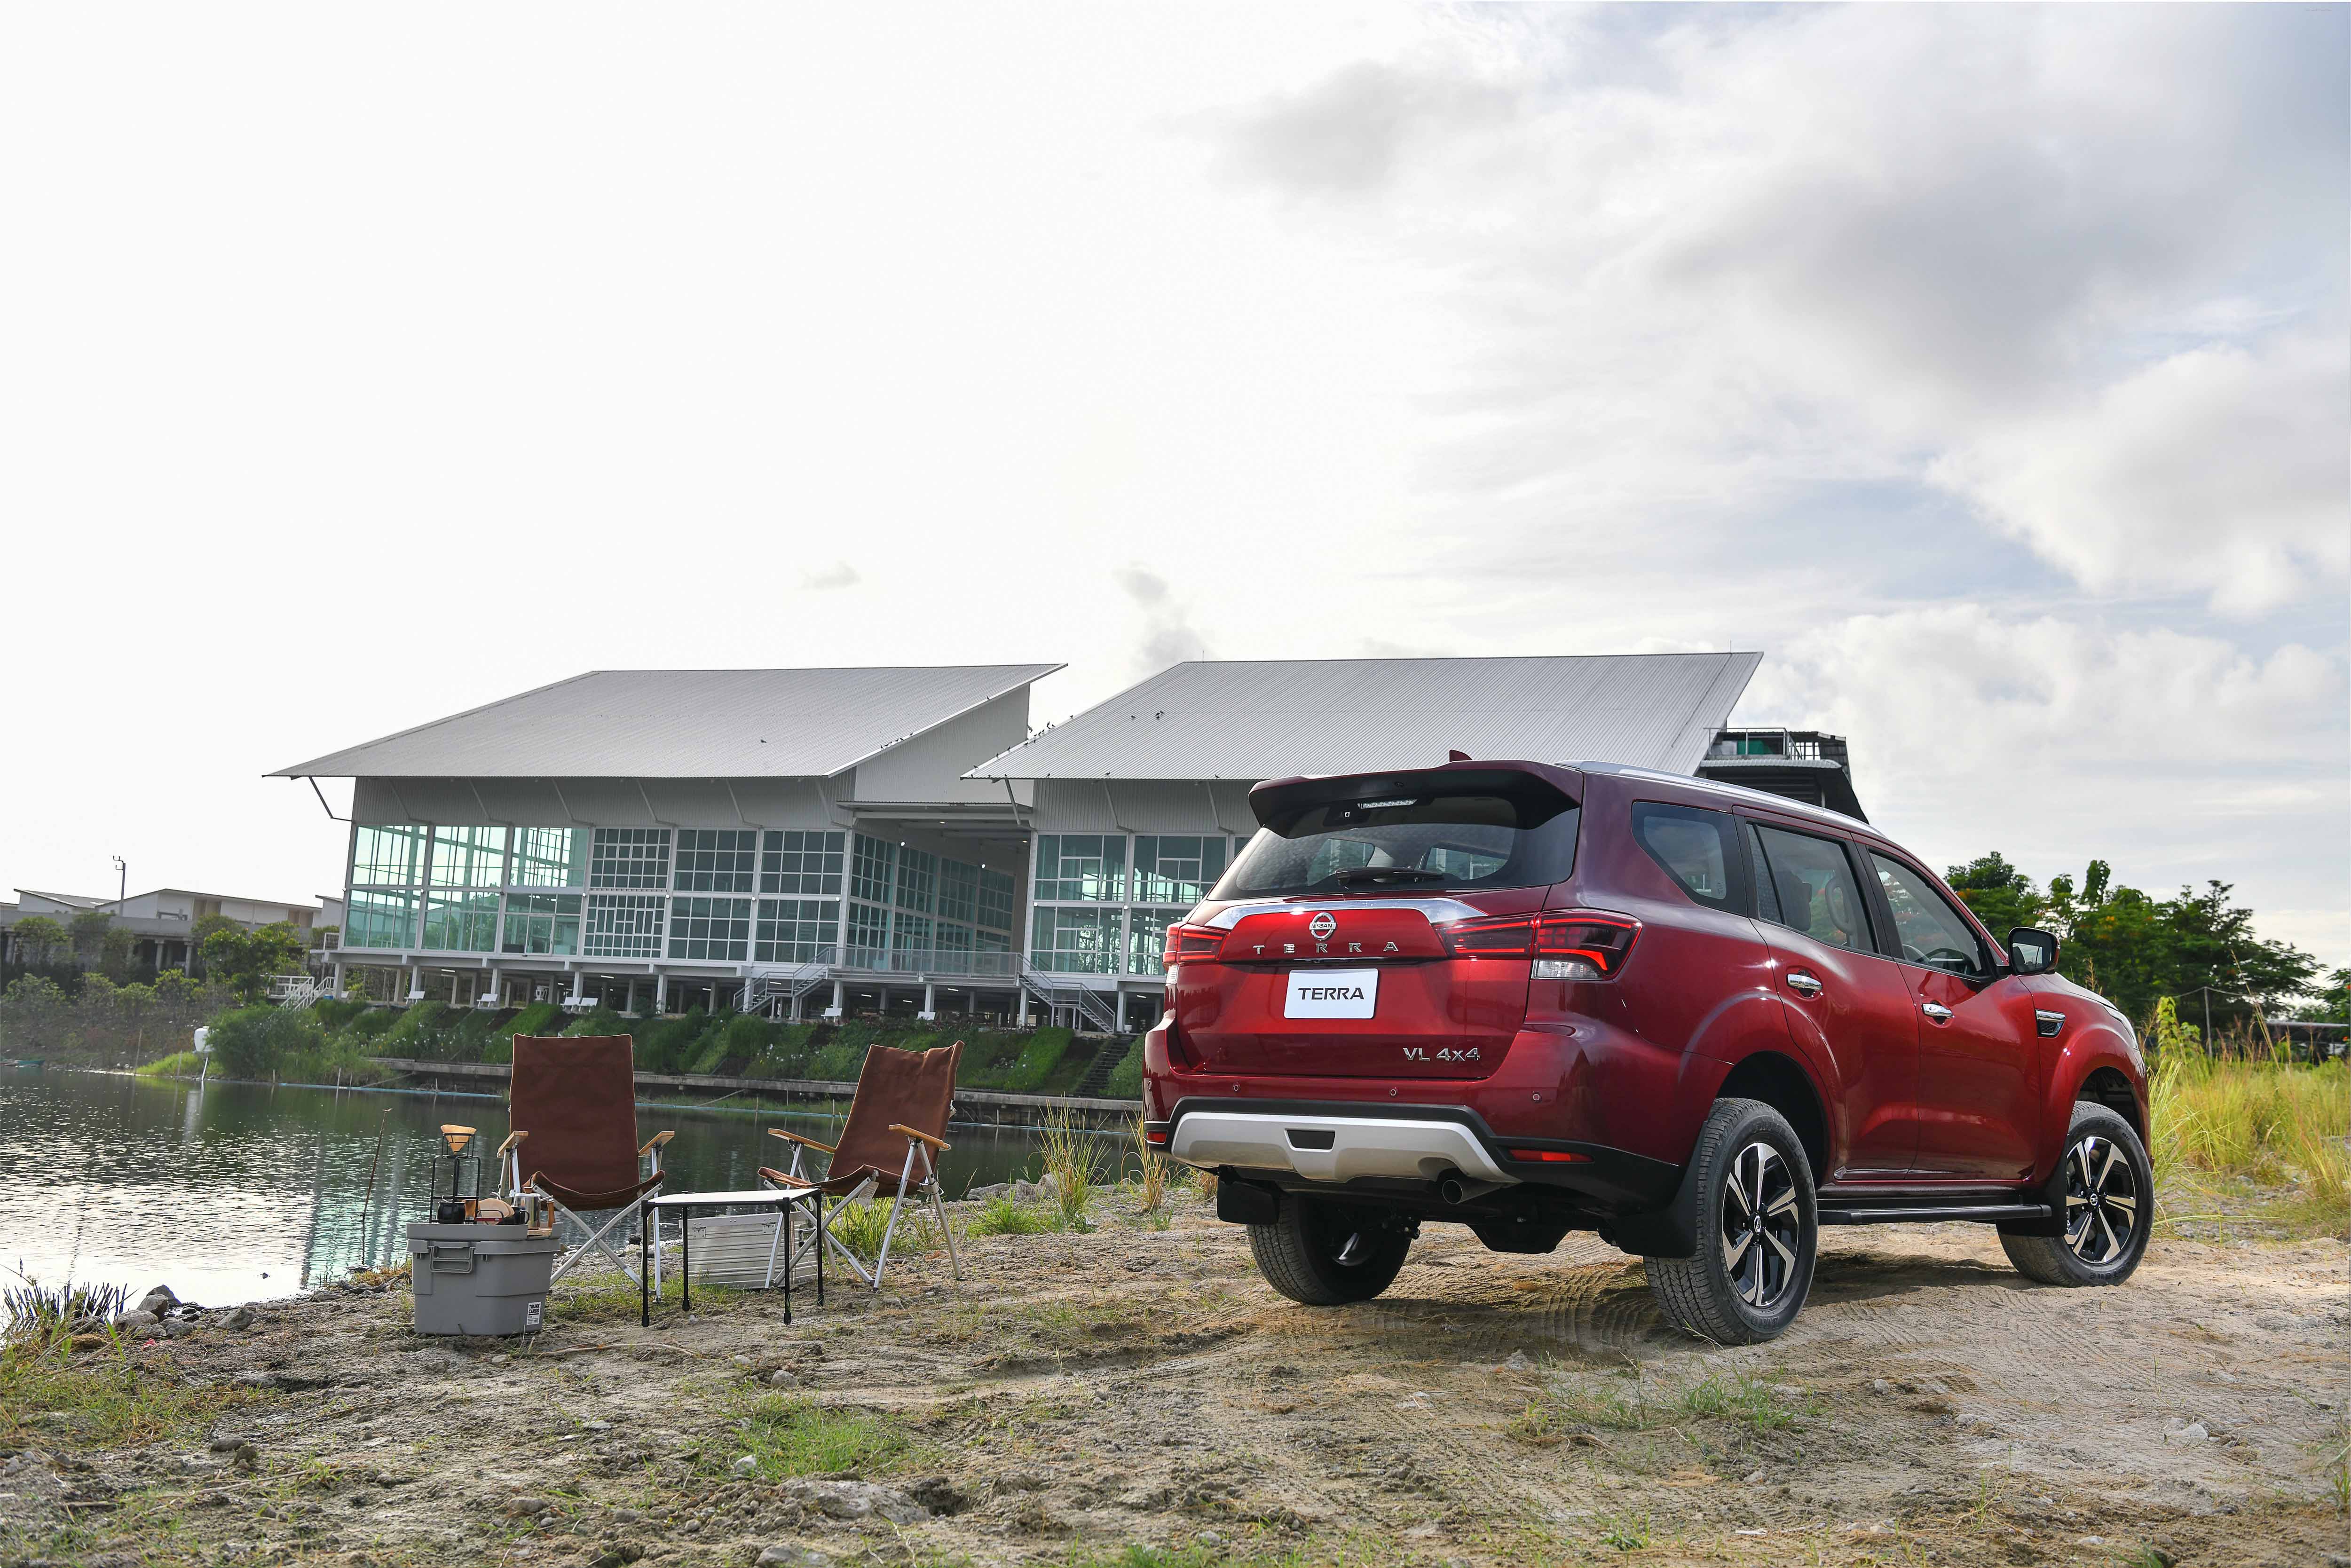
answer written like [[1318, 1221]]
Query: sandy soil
[[1078, 1393]]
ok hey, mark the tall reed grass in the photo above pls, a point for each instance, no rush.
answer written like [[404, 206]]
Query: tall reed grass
[[1074, 1163], [2260, 1118]]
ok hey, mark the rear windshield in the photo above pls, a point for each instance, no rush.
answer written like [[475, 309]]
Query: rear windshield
[[1429, 843]]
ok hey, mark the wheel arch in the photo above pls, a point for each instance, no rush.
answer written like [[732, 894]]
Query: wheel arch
[[2106, 1085], [1781, 1082]]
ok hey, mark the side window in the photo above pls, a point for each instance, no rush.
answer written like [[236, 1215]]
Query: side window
[[1766, 896], [1695, 846], [1811, 881], [1931, 931]]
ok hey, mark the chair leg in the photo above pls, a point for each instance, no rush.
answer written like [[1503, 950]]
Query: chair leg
[[595, 1241], [939, 1209]]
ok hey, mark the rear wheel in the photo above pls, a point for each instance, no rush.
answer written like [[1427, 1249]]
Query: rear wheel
[[2108, 1195], [1753, 1211], [1325, 1254]]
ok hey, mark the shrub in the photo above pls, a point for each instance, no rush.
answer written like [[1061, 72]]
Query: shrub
[[413, 1032], [1125, 1082], [1002, 1215], [669, 1044], [838, 1063], [259, 1040], [598, 1020], [372, 1022], [339, 1015], [1037, 1061], [179, 1064]]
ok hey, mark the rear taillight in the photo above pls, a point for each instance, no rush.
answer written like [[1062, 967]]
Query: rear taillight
[[1191, 942], [1580, 944], [1548, 1157]]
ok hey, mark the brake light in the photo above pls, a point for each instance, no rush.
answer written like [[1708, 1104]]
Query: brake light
[[1191, 942], [1580, 944], [1547, 1156]]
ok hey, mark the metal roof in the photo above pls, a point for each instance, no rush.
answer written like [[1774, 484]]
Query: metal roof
[[1272, 718], [683, 724]]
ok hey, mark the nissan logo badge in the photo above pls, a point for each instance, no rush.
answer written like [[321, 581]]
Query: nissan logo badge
[[1322, 925]]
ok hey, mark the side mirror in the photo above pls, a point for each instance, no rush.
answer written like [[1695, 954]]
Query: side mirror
[[2031, 951]]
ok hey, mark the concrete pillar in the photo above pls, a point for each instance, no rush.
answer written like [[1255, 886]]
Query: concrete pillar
[[1024, 1007], [338, 972], [661, 993], [840, 1000], [497, 985], [577, 977], [415, 982], [930, 1002]]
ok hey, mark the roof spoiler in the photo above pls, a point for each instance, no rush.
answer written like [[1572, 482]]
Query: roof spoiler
[[1280, 797]]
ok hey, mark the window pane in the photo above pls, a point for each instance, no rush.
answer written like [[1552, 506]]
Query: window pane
[[380, 920], [715, 860], [542, 925], [1693, 846], [1077, 941], [711, 929], [918, 872], [802, 862], [1090, 867], [461, 922], [910, 933], [872, 869], [1929, 930], [996, 899], [392, 857], [959, 891], [1169, 869], [794, 930], [1813, 881], [623, 925], [869, 937], [468, 857], [630, 857], [548, 857], [1146, 938]]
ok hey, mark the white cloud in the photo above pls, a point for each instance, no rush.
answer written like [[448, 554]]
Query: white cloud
[[2216, 472]]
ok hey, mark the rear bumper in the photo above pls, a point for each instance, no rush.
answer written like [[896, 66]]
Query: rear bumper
[[1402, 1150]]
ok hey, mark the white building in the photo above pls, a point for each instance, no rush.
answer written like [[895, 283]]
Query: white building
[[876, 840]]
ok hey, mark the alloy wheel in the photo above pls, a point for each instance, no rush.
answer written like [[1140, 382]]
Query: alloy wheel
[[1761, 1225], [2102, 1200]]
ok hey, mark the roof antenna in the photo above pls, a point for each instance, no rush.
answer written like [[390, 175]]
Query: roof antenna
[[1457, 756]]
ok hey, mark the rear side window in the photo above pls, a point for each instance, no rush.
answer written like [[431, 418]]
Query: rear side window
[[1433, 842], [1812, 888], [1695, 846]]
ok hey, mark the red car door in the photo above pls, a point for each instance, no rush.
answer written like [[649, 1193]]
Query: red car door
[[1978, 1058], [1851, 1005]]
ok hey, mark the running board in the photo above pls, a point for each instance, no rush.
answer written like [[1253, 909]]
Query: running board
[[1930, 1213]]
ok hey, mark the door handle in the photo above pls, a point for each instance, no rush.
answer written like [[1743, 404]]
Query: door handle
[[1936, 1011], [1803, 984]]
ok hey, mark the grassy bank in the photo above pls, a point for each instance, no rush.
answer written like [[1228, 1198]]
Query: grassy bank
[[2222, 1120]]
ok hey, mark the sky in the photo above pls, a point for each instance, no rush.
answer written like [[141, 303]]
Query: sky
[[1987, 369]]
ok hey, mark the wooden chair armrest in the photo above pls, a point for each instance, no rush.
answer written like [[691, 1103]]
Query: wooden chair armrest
[[939, 1143], [657, 1140], [512, 1139], [795, 1137]]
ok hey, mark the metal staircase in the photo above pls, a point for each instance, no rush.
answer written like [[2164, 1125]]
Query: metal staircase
[[296, 991], [776, 992], [1058, 991]]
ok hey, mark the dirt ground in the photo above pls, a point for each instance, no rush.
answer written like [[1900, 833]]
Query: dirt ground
[[1137, 1395]]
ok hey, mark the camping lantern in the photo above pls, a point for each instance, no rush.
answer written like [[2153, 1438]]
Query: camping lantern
[[456, 1177]]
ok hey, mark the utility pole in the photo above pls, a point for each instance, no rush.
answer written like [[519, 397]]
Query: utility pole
[[122, 892]]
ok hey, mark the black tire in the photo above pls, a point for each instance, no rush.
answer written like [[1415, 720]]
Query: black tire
[[1326, 1254], [1747, 1281], [2104, 1188]]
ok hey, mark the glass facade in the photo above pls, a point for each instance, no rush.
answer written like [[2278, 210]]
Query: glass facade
[[548, 857], [1146, 938], [910, 933], [715, 860], [796, 930], [542, 925], [388, 857], [623, 925], [1082, 867], [1077, 941], [468, 857], [1170, 869], [918, 878], [802, 863], [872, 869], [378, 919], [630, 857], [461, 922], [714, 930], [869, 937], [959, 891], [996, 898]]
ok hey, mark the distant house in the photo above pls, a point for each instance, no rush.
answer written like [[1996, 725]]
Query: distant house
[[160, 921]]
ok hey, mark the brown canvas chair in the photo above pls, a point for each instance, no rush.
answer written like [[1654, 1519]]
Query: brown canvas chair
[[572, 1105], [897, 1123]]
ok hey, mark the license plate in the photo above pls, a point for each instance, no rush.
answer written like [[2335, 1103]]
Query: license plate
[[1332, 994]]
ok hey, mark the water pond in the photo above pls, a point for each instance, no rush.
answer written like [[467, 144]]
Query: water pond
[[238, 1192]]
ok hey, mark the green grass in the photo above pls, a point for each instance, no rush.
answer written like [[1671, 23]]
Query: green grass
[[53, 1399], [799, 1437], [179, 1064], [859, 1227], [2265, 1120], [1004, 1215], [1750, 1404]]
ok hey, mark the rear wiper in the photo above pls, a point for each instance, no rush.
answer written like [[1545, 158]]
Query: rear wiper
[[1373, 875]]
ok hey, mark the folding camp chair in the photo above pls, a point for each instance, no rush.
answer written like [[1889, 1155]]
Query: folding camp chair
[[895, 1125], [573, 1107]]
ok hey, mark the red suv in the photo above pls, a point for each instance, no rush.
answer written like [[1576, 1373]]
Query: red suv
[[1700, 1021]]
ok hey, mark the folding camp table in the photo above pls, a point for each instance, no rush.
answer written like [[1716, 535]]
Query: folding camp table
[[780, 1200]]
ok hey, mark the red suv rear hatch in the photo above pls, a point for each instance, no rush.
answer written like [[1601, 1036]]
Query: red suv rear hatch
[[1364, 931]]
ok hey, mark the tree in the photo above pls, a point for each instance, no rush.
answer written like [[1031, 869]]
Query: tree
[[33, 1013], [88, 930], [2002, 897], [206, 928], [2333, 1004], [40, 939], [2135, 950], [115, 953], [243, 960]]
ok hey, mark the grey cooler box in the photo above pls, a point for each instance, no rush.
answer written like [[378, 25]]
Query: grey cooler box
[[480, 1279]]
